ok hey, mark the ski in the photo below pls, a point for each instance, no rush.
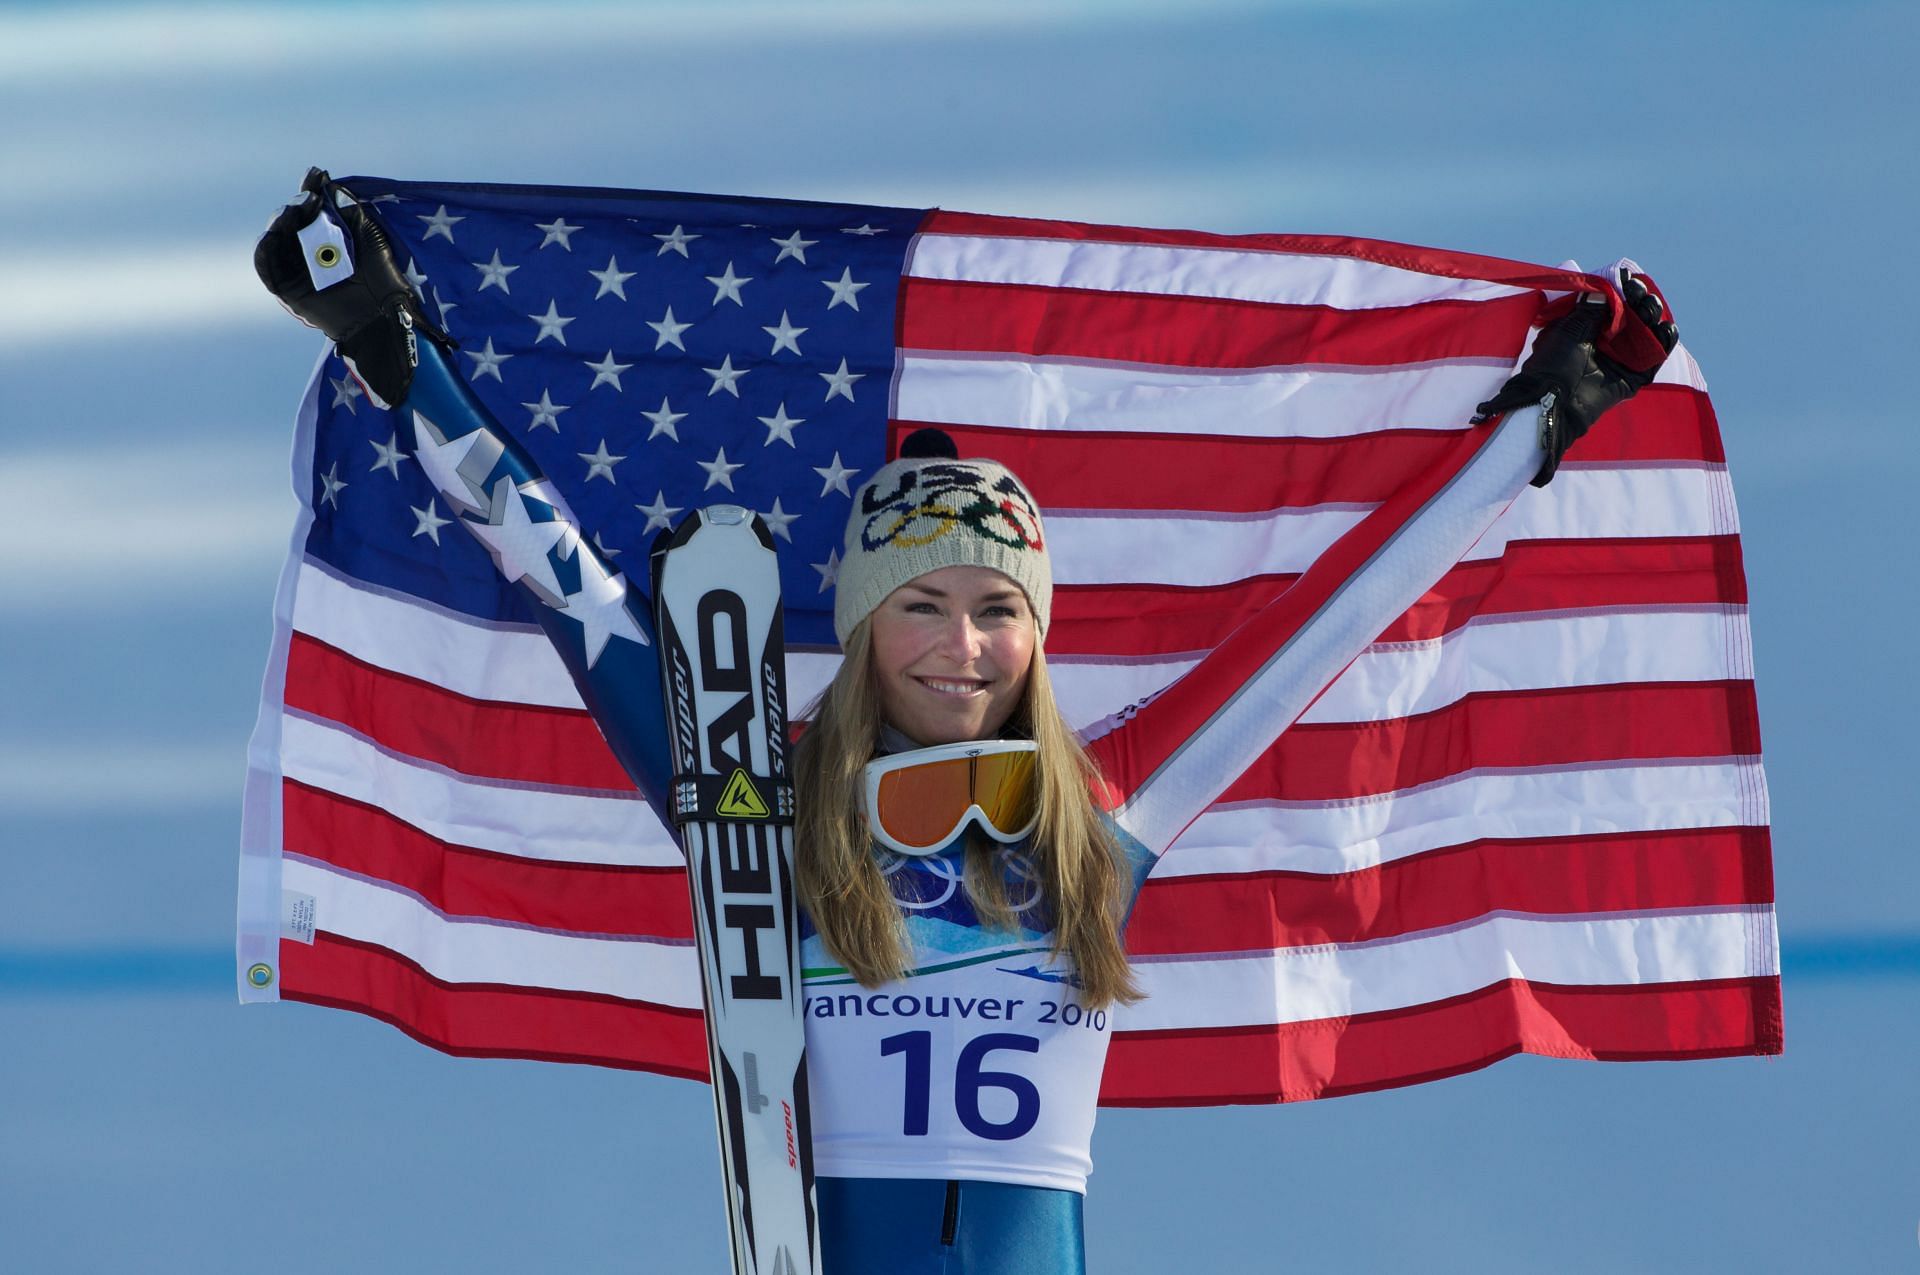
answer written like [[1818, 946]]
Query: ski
[[716, 589]]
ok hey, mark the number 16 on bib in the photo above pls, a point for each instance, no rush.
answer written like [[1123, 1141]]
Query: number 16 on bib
[[716, 589]]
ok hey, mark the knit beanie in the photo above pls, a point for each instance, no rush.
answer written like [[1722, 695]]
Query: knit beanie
[[930, 510]]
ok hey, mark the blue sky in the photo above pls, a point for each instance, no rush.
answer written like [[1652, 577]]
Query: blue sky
[[1754, 157]]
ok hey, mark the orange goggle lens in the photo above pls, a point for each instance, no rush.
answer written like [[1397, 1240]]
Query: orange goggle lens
[[924, 805]]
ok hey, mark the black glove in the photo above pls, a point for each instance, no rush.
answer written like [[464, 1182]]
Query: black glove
[[347, 285], [1567, 364]]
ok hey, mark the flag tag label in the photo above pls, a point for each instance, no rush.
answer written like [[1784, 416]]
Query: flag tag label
[[297, 916]]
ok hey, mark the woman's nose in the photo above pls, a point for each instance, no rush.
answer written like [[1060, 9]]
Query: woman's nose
[[961, 639]]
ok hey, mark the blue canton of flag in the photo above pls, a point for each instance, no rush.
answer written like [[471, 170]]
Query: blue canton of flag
[[655, 353]]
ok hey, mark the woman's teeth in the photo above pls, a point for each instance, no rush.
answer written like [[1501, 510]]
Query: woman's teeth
[[952, 688]]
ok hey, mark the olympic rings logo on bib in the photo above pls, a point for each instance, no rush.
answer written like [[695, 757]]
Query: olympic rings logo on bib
[[907, 890]]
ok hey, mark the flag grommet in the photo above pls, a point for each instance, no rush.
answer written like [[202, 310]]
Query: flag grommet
[[260, 975]]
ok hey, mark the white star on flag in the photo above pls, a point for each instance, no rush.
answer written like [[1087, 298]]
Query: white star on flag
[[427, 522], [553, 323], [545, 412], [794, 246], [600, 462], [726, 285], [558, 231], [841, 382], [493, 274], [612, 279], [844, 289], [724, 377], [667, 332], [829, 570], [836, 476], [659, 513], [785, 337], [334, 486], [778, 520], [664, 421], [607, 372], [440, 224], [675, 242], [345, 390], [719, 471], [780, 426], [390, 455], [486, 362]]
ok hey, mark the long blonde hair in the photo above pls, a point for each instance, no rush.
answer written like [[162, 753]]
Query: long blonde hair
[[1074, 853]]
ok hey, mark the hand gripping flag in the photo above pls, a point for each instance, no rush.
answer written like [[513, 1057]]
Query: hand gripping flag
[[1529, 816]]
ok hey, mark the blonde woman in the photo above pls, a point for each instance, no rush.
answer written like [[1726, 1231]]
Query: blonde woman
[[962, 891]]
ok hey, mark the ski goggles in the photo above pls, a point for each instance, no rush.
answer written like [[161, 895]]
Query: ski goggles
[[917, 802]]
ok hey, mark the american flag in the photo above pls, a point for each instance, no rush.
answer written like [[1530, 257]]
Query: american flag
[[1529, 817]]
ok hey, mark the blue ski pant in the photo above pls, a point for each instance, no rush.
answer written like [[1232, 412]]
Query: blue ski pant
[[932, 1226]]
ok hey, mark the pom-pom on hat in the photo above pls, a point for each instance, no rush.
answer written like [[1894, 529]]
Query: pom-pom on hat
[[928, 510]]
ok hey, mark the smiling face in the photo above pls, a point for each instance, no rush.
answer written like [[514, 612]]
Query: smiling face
[[951, 651]]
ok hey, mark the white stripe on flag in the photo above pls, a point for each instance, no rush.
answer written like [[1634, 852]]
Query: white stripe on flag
[[497, 662], [522, 820], [961, 389], [1345, 836], [1105, 547], [1680, 369], [478, 951], [1089, 688], [1332, 981], [1597, 502], [1097, 547], [1280, 278], [1492, 653], [501, 663], [1537, 652]]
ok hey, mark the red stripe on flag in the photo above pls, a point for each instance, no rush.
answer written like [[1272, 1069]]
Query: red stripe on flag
[[1321, 761], [588, 898], [1177, 331], [490, 1020], [1532, 575], [1101, 469], [1558, 726], [1451, 265], [1327, 1057], [1616, 872], [1550, 575], [525, 743], [1661, 422], [1085, 469]]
